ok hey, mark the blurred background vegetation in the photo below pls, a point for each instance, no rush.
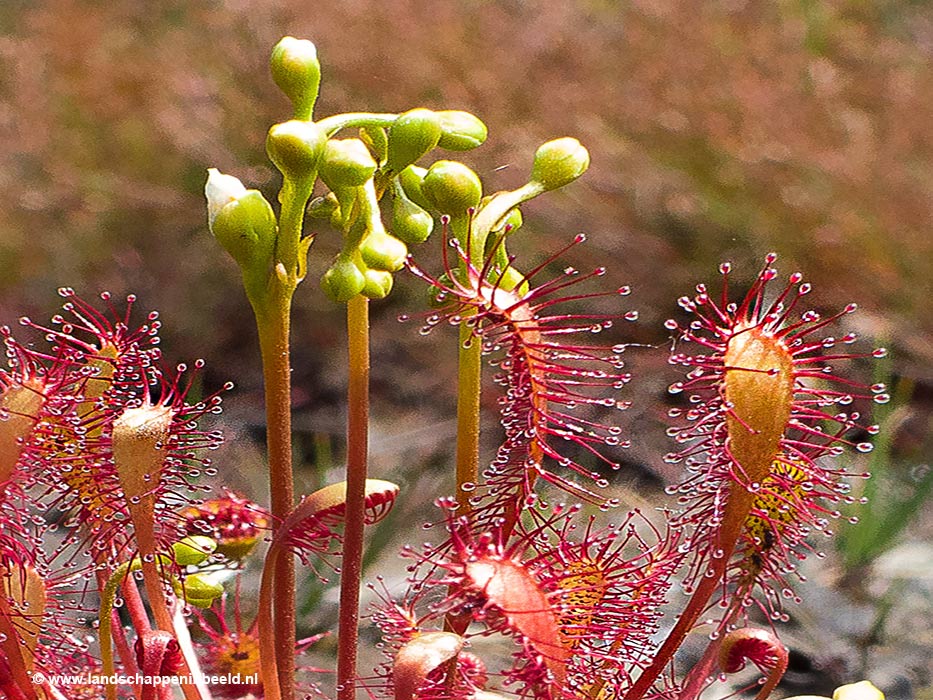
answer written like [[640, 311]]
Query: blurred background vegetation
[[719, 130]]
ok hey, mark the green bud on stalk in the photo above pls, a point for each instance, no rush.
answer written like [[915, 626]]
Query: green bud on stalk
[[411, 135], [378, 284], [343, 280], [241, 220], [296, 147], [559, 162], [410, 223], [346, 163], [200, 591], [460, 131], [297, 72], [452, 188], [381, 251], [193, 550]]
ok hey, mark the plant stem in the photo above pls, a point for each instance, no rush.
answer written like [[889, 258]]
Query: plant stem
[[272, 306], [335, 123], [273, 323], [357, 454], [469, 375]]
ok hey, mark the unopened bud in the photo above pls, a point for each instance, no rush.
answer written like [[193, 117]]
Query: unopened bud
[[411, 135], [346, 163], [297, 72], [296, 148], [193, 550], [200, 591], [559, 162], [378, 284], [410, 223], [343, 280], [220, 190], [452, 188], [241, 220], [460, 131], [381, 251]]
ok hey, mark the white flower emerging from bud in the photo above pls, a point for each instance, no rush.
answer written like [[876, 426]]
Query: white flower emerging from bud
[[220, 190]]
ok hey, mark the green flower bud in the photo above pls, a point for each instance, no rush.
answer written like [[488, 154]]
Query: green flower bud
[[451, 187], [346, 163], [376, 141], [378, 284], [200, 591], [411, 179], [343, 280], [410, 223], [241, 220], [296, 148], [297, 72], [323, 207], [460, 131], [559, 162], [193, 550], [411, 135], [381, 251]]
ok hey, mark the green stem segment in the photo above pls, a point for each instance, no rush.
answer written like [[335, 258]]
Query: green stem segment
[[469, 375], [272, 308], [476, 230], [357, 456], [331, 125]]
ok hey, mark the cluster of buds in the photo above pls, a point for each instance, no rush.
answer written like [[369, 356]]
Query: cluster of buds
[[377, 168]]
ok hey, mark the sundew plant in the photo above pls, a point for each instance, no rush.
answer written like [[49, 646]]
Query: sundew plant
[[122, 551]]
